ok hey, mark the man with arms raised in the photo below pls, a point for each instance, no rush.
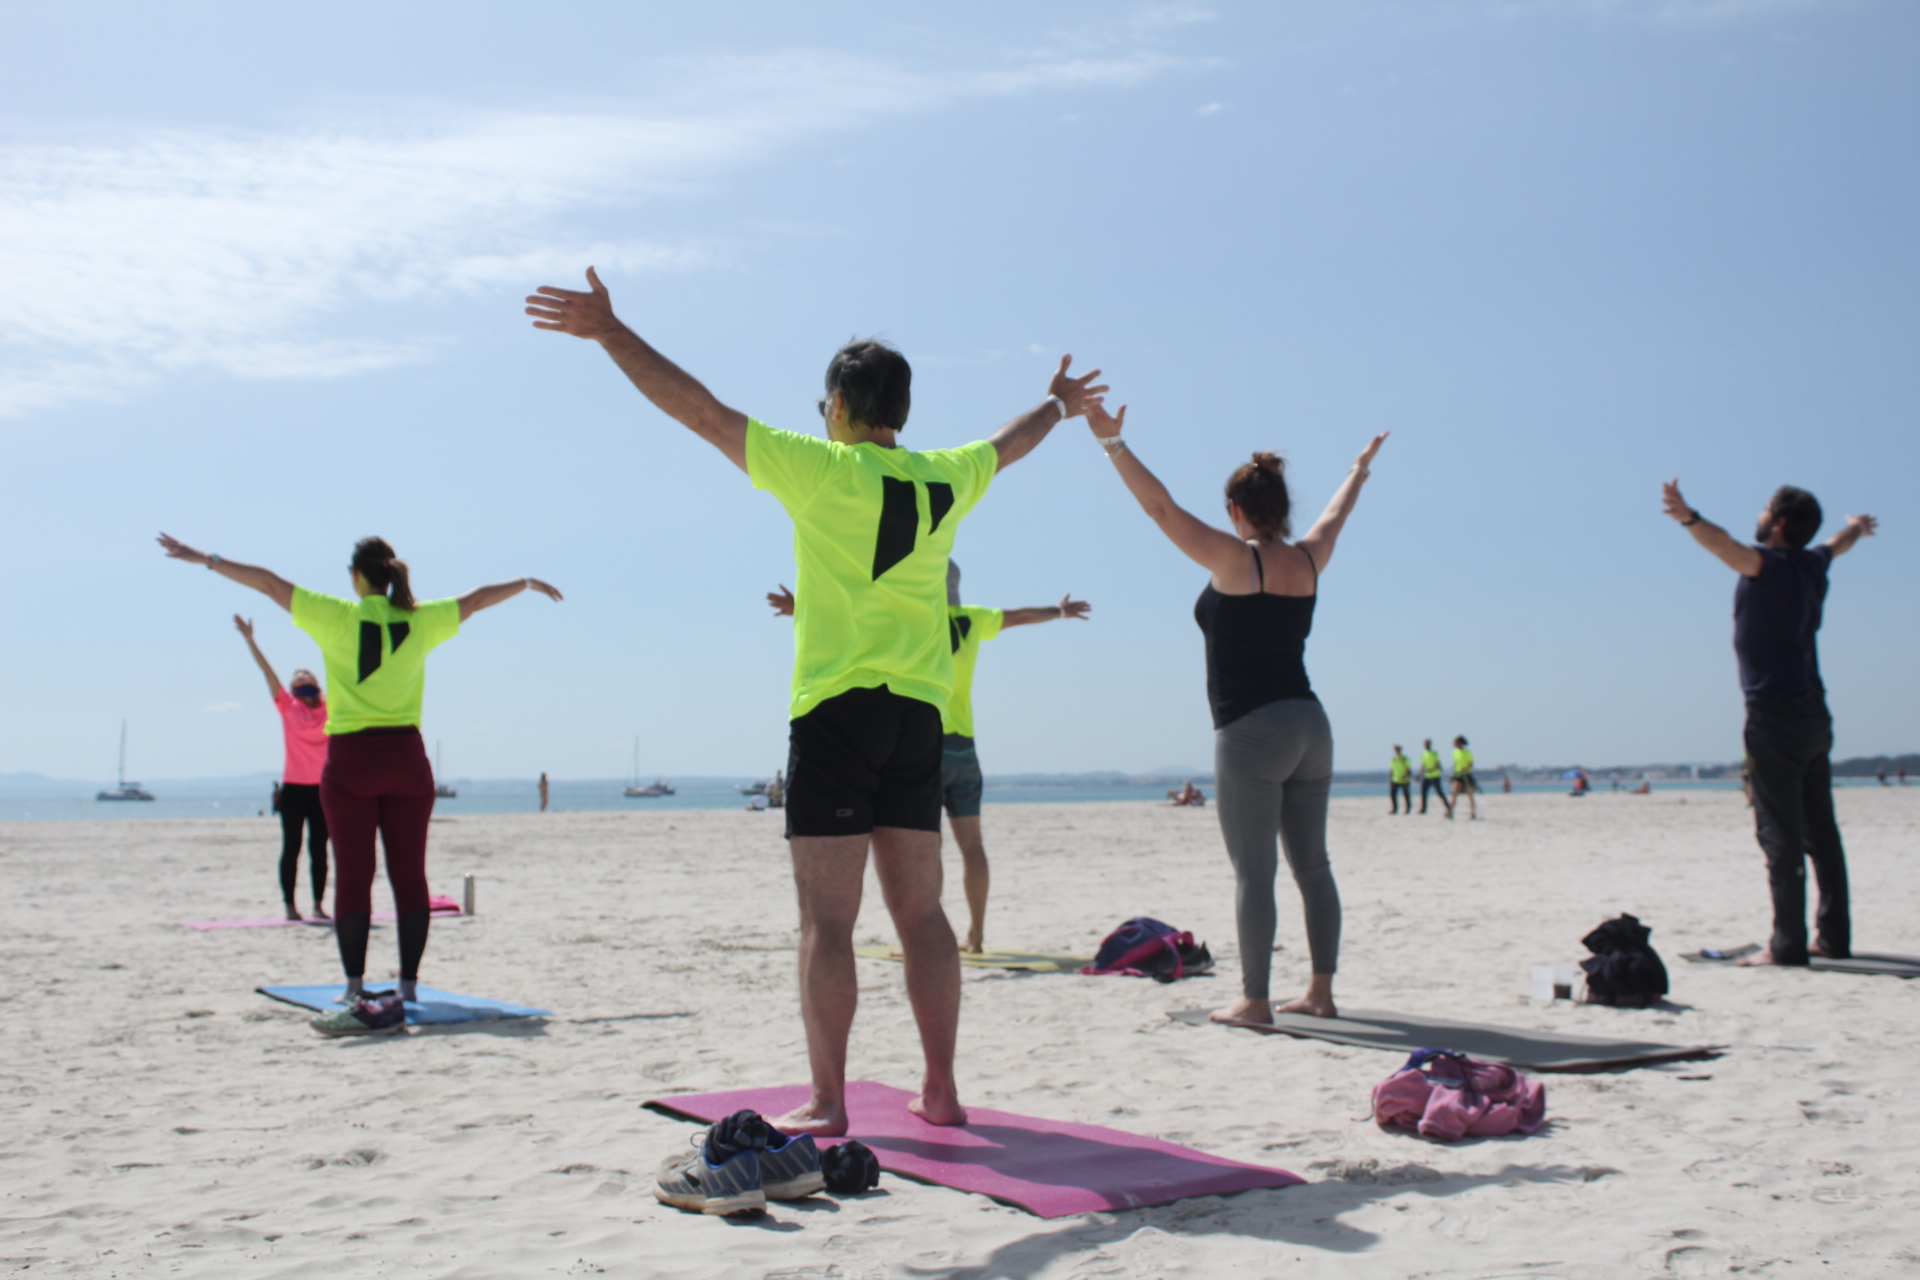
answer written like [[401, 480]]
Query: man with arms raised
[[1776, 613], [873, 526]]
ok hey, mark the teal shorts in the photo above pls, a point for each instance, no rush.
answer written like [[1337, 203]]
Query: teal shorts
[[960, 781]]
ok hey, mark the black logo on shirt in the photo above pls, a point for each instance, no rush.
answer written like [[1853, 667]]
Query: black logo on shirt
[[370, 649], [900, 519], [958, 627]]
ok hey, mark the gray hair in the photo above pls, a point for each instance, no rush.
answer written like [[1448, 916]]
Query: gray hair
[[953, 584]]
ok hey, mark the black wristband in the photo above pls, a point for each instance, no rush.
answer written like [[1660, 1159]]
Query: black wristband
[[1688, 524]]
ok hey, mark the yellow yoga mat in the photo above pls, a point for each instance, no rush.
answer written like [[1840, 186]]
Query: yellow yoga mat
[[1030, 961]]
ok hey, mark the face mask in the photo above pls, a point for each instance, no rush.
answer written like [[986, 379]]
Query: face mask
[[306, 691]]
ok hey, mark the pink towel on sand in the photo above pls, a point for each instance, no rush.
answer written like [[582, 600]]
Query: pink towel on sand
[[1445, 1096], [1048, 1167]]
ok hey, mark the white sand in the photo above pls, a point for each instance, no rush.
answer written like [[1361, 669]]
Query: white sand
[[160, 1118]]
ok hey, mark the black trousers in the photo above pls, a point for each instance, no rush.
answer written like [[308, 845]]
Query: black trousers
[[1396, 792], [1787, 745], [1439, 788], [300, 804]]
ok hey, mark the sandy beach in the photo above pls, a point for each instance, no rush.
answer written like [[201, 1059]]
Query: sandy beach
[[162, 1119]]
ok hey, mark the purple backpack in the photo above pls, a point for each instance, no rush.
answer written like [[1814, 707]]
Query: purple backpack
[[1444, 1095], [1147, 948]]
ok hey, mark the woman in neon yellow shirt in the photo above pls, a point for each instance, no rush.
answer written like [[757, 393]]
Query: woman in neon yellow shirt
[[376, 777]]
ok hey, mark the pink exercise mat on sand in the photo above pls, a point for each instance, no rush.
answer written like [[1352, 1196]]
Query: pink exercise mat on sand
[[1047, 1167], [440, 904]]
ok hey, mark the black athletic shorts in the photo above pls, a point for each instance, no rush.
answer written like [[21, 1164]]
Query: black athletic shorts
[[864, 759]]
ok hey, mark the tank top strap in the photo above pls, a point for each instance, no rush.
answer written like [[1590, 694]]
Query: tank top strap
[[1310, 564], [1259, 567]]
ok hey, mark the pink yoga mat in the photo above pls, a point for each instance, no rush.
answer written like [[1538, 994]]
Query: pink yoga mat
[[442, 906], [1047, 1167]]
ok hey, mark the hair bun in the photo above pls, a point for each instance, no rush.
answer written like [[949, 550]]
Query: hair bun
[[1269, 463]]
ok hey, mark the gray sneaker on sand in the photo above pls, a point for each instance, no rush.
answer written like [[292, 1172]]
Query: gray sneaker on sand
[[689, 1181], [792, 1169]]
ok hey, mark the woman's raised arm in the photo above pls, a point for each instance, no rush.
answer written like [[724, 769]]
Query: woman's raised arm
[[265, 581], [245, 627], [1213, 549], [486, 597], [1326, 530]]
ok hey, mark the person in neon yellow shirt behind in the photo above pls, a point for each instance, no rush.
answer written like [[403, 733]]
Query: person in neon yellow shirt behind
[[873, 524], [1463, 783], [1399, 781], [376, 776], [1430, 777], [961, 783]]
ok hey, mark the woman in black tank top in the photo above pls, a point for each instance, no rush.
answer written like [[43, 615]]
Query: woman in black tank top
[[1273, 748]]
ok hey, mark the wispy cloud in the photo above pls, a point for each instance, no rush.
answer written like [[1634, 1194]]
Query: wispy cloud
[[155, 252]]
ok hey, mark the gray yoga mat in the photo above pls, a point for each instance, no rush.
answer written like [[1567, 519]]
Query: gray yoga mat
[[1867, 962], [1406, 1032]]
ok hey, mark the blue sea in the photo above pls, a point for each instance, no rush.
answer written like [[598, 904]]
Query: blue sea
[[495, 797]]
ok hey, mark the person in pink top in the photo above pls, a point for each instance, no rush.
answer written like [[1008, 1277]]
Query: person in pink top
[[303, 717]]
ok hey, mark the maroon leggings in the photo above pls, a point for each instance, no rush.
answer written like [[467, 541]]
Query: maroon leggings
[[378, 781]]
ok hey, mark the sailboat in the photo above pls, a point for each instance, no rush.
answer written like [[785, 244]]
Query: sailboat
[[634, 788], [126, 790], [441, 789]]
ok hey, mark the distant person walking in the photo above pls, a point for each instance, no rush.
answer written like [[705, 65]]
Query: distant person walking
[[961, 782], [1272, 744], [1399, 781], [1777, 607], [377, 778], [1463, 781], [303, 724], [543, 793], [1431, 778]]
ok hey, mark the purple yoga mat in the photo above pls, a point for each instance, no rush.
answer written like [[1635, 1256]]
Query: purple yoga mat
[[1047, 1167]]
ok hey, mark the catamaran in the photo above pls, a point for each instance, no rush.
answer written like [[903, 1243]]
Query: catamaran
[[634, 788], [126, 790]]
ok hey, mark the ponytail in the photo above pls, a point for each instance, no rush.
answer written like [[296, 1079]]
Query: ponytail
[[384, 571], [1259, 489]]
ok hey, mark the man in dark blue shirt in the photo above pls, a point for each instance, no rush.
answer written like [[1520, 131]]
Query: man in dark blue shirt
[[1776, 614]]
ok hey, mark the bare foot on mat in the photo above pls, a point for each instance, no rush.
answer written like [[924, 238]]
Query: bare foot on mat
[[939, 1108], [1245, 1010], [815, 1118], [972, 945], [1318, 1006]]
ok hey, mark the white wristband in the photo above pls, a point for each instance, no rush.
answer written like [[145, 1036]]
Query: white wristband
[[1112, 444], [1062, 404]]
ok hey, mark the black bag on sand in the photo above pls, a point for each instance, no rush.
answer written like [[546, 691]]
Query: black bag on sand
[[1623, 969], [850, 1168]]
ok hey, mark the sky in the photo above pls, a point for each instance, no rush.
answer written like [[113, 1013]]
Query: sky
[[267, 262]]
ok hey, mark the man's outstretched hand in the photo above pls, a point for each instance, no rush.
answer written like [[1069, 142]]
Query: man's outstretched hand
[[1863, 526], [1675, 505], [584, 315], [1074, 392], [782, 601]]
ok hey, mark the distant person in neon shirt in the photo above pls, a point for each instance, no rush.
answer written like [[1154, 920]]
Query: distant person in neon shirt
[[1399, 781], [1431, 778], [961, 782], [1463, 782], [1778, 602], [873, 525], [377, 779], [303, 723]]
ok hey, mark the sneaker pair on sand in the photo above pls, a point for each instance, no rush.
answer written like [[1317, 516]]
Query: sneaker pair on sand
[[368, 1016], [741, 1163]]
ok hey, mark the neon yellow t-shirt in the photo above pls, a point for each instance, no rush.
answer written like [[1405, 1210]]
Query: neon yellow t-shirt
[[376, 655], [872, 530], [968, 627], [1401, 770], [1429, 764], [1462, 760]]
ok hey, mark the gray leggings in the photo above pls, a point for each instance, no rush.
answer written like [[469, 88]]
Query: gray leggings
[[1273, 768]]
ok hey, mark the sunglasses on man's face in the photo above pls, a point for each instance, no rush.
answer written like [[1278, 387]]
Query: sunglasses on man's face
[[823, 404]]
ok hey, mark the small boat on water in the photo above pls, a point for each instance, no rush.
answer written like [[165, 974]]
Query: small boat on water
[[659, 788], [440, 789], [126, 790], [757, 789]]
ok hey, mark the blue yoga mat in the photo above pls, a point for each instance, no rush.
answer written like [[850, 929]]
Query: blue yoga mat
[[434, 1005]]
